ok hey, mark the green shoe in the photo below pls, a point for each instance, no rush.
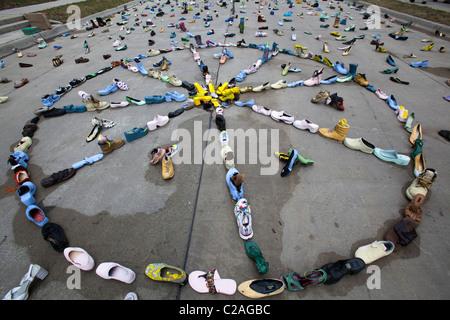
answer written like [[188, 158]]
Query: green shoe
[[185, 39], [301, 159], [255, 253], [389, 71], [417, 148]]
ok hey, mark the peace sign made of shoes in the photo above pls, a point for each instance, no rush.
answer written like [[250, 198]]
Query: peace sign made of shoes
[[211, 99]]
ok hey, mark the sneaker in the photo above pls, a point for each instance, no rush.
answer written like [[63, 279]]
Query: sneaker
[[320, 96], [262, 110], [243, 215], [374, 251], [224, 138]]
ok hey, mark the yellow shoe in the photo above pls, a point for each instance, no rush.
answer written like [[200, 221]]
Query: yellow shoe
[[191, 21], [325, 47], [327, 62], [215, 103], [220, 89], [379, 48], [167, 168], [200, 90], [211, 87], [442, 49], [228, 97], [301, 47], [335, 33], [161, 30], [339, 132], [428, 47], [361, 79]]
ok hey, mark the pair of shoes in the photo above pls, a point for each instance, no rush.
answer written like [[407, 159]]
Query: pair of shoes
[[21, 292], [106, 270]]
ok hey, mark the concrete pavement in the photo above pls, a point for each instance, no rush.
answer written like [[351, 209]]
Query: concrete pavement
[[121, 210]]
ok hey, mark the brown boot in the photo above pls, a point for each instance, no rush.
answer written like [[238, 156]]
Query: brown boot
[[339, 132], [414, 208], [336, 22], [109, 146]]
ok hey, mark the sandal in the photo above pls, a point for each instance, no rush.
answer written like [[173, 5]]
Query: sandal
[[204, 282], [57, 61], [81, 60], [294, 282], [157, 155], [21, 83], [254, 252]]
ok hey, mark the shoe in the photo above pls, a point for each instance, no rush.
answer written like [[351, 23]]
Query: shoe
[[21, 292], [391, 156], [287, 168], [254, 252], [165, 272], [340, 68], [107, 146], [419, 164], [169, 96], [392, 102], [305, 124], [24, 144], [381, 94], [261, 288], [158, 121], [243, 215], [248, 103], [391, 61], [422, 183], [262, 87], [167, 167], [361, 79], [135, 101], [428, 47], [57, 177], [337, 270], [338, 133], [262, 110], [37, 215], [79, 258], [112, 270], [54, 234], [360, 144], [422, 64], [374, 251], [397, 80], [281, 116], [136, 133], [26, 192], [109, 89], [335, 101], [402, 114], [322, 95]]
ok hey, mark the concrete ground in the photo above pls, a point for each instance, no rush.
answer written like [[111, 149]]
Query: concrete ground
[[121, 210]]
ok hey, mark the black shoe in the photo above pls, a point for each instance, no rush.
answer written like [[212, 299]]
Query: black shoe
[[176, 113], [188, 86], [350, 42], [54, 234], [336, 102], [335, 271], [445, 134]]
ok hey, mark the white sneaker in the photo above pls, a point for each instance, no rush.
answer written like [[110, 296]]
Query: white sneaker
[[294, 37], [281, 116], [262, 87], [306, 124], [224, 138], [279, 84], [243, 216], [261, 109], [116, 43], [260, 34]]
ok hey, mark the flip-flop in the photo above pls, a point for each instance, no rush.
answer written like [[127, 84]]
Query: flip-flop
[[261, 288], [210, 282], [88, 160], [165, 272], [294, 282]]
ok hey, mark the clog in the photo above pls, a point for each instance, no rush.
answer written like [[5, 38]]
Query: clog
[[391, 156], [165, 272], [37, 215], [79, 258], [115, 271], [26, 193], [360, 144]]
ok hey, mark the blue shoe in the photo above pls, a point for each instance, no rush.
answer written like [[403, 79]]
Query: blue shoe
[[371, 88], [169, 96], [71, 108], [265, 55], [154, 99], [392, 102], [109, 89], [135, 133], [295, 83], [18, 157], [190, 35], [37, 215], [249, 103], [290, 163], [228, 53], [391, 156], [419, 64], [140, 67], [26, 193], [340, 68], [240, 77], [172, 35], [88, 160], [329, 80], [391, 61], [141, 56]]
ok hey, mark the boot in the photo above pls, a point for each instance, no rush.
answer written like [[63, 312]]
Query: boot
[[241, 25], [339, 132], [298, 51], [93, 24], [414, 208], [109, 146], [198, 40], [352, 70], [315, 79], [260, 19], [336, 22], [100, 22]]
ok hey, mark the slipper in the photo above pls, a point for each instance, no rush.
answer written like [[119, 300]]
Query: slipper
[[24, 144], [176, 113], [54, 234], [59, 176], [204, 282], [294, 282], [402, 233], [165, 272], [336, 270], [89, 160], [20, 83], [254, 252], [398, 80], [157, 155], [261, 288], [223, 59]]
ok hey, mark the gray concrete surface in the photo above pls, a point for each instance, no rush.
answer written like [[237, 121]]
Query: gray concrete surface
[[120, 209]]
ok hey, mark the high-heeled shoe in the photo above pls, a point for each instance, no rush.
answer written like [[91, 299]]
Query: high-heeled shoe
[[21, 292]]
